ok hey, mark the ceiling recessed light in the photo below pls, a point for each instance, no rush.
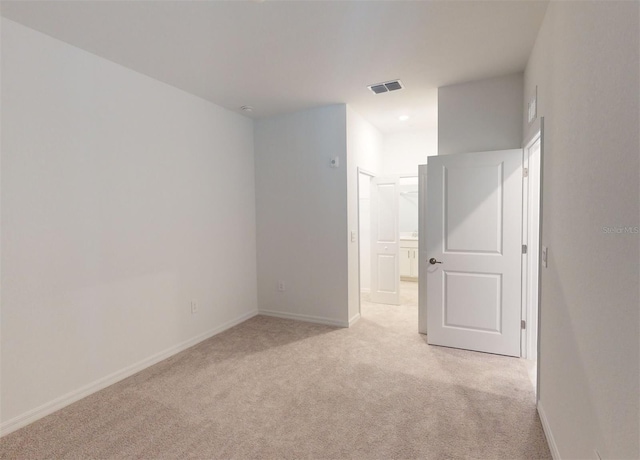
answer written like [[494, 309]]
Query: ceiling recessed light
[[246, 108], [403, 117]]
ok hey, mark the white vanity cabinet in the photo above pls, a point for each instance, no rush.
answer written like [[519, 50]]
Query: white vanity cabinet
[[409, 259]]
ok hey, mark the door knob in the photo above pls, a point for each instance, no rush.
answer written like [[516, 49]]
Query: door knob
[[433, 261]]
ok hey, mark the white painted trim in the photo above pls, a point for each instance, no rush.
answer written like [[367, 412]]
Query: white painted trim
[[524, 261], [536, 132], [354, 320], [305, 318], [553, 447], [422, 249], [533, 131], [365, 172], [52, 406], [541, 180], [531, 231]]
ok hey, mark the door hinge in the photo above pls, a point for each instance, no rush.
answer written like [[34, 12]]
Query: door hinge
[[524, 248], [523, 324], [525, 172]]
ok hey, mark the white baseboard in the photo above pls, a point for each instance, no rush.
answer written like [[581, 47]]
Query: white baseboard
[[50, 407], [354, 320], [553, 447], [306, 318]]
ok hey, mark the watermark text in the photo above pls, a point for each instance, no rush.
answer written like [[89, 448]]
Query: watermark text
[[618, 230]]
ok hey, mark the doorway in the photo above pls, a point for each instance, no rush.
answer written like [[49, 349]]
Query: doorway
[[388, 232]]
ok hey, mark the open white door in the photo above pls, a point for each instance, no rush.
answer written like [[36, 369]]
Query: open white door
[[385, 240], [474, 219]]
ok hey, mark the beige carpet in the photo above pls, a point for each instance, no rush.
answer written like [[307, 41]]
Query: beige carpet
[[273, 388]]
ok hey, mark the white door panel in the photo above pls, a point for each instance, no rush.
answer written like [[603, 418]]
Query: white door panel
[[473, 222], [474, 206], [385, 241]]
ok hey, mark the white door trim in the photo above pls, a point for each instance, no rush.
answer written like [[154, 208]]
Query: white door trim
[[365, 172], [536, 132], [422, 249], [371, 175], [530, 238]]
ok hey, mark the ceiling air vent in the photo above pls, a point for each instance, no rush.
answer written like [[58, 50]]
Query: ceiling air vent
[[386, 86]]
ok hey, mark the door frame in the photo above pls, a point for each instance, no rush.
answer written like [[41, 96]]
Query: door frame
[[531, 335], [371, 176], [422, 249]]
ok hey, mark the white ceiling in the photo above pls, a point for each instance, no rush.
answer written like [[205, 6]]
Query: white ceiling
[[285, 56]]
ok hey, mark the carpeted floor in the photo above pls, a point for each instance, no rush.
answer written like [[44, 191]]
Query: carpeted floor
[[273, 388]]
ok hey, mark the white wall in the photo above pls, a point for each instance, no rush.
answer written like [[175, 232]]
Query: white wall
[[480, 115], [586, 65], [403, 151], [302, 215], [122, 199], [364, 150]]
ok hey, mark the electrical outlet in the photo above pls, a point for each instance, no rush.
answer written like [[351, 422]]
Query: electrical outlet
[[281, 287], [194, 307]]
